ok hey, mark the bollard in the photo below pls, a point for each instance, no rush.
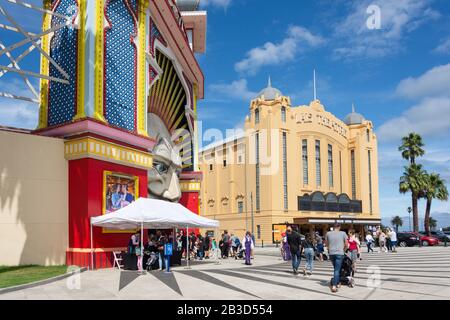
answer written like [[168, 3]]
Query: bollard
[[262, 243], [445, 241]]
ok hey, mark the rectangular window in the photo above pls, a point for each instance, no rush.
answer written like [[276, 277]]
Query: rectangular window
[[353, 174], [305, 161], [285, 182], [258, 231], [330, 166], [368, 135], [370, 180], [224, 163], [210, 167], [318, 171], [240, 207], [257, 116], [283, 114], [258, 202]]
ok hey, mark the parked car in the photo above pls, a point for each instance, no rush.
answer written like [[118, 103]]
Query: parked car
[[441, 236], [405, 239], [426, 240]]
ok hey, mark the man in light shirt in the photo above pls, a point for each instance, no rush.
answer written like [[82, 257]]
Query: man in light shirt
[[393, 237]]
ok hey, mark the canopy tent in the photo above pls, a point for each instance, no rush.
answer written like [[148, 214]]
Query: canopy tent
[[151, 214]]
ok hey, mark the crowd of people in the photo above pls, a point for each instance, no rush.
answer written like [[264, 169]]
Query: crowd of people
[[295, 247], [340, 246], [192, 246]]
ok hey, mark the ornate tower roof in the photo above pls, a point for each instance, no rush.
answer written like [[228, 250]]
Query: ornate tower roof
[[354, 117], [269, 93]]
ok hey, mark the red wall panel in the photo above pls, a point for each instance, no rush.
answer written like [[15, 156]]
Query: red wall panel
[[86, 200]]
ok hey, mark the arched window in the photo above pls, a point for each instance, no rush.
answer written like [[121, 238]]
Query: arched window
[[283, 114], [257, 116], [344, 203], [318, 201], [332, 202]]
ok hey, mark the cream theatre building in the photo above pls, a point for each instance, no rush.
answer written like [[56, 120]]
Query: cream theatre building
[[293, 165]]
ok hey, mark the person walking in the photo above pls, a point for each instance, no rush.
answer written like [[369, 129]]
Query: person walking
[[207, 245], [393, 237], [248, 245], [285, 251], [353, 247], [369, 242], [226, 245], [234, 244], [388, 240], [382, 242], [319, 245], [308, 245], [295, 241], [336, 242]]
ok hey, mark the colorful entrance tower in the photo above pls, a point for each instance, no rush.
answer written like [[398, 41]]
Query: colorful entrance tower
[[123, 95]]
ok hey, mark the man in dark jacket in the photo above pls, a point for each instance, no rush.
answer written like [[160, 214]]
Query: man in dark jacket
[[294, 240]]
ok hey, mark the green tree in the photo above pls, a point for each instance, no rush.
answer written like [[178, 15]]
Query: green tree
[[397, 222], [413, 181], [433, 223], [434, 188], [411, 147]]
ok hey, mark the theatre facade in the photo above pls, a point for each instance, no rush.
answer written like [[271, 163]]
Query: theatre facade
[[120, 126], [293, 165]]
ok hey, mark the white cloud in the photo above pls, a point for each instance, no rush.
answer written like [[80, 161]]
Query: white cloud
[[431, 117], [237, 89], [434, 82], [444, 47], [216, 3], [17, 113], [297, 40], [398, 18]]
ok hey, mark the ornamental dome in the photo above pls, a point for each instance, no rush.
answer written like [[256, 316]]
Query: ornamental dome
[[269, 93], [354, 118], [188, 5]]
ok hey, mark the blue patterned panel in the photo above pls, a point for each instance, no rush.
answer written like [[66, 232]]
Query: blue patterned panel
[[63, 49], [120, 73]]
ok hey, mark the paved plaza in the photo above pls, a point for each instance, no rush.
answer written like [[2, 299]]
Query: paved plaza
[[412, 273]]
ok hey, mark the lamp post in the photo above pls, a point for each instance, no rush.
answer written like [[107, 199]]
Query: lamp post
[[409, 217]]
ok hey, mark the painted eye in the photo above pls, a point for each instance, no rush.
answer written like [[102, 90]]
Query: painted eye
[[161, 167]]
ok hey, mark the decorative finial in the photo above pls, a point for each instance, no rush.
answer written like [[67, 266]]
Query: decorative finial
[[269, 84]]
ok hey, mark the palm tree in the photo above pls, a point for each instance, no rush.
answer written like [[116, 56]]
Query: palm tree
[[397, 222], [413, 181], [411, 147], [434, 188], [433, 223]]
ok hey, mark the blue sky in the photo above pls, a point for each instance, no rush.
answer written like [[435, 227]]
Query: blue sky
[[397, 76]]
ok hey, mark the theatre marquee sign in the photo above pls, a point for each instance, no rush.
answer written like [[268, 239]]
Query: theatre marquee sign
[[309, 117]]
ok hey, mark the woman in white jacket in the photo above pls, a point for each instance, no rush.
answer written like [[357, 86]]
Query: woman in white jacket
[[248, 245]]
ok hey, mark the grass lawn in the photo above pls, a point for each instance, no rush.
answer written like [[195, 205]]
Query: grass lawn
[[13, 276]]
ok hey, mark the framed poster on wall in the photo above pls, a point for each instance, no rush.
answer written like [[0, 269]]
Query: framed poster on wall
[[119, 190]]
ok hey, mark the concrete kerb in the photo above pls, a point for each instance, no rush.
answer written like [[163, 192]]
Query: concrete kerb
[[39, 283]]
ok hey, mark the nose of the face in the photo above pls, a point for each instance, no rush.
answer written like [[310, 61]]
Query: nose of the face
[[173, 193]]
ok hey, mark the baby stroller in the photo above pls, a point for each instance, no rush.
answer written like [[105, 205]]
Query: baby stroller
[[240, 254], [347, 272], [152, 262]]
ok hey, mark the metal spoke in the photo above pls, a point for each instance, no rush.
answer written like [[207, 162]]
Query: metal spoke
[[6, 27], [31, 6], [25, 79], [16, 97], [19, 58], [34, 74], [53, 62]]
